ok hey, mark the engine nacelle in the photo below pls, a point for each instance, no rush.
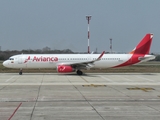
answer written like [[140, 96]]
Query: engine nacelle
[[65, 69]]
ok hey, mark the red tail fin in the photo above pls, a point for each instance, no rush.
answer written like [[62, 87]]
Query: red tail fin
[[144, 46]]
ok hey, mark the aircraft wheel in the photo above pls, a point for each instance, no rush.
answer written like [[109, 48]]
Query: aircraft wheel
[[20, 72], [79, 72]]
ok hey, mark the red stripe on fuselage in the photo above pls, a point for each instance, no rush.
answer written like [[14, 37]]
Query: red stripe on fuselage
[[133, 60]]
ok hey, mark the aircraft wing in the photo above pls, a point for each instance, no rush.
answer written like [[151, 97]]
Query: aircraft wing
[[84, 64]]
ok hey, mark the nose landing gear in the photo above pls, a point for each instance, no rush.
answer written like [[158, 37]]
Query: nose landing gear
[[20, 72]]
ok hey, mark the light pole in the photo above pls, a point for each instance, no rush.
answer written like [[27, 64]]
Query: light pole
[[88, 17]]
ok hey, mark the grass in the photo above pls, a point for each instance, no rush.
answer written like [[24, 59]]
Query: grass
[[153, 67]]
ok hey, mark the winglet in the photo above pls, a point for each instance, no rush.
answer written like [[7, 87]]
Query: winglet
[[144, 46], [100, 56]]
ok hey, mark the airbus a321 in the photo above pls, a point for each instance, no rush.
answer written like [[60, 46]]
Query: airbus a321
[[67, 63]]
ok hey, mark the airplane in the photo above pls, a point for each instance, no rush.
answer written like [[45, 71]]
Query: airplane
[[67, 63]]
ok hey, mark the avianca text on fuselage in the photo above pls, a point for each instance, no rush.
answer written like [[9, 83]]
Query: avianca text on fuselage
[[42, 59]]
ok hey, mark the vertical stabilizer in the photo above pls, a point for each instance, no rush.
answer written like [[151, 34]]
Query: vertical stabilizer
[[144, 46]]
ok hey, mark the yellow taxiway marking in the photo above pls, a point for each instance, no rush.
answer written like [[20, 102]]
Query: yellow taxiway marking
[[143, 89]]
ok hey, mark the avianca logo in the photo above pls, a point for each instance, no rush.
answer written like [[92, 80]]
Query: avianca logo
[[27, 59], [42, 59], [62, 68]]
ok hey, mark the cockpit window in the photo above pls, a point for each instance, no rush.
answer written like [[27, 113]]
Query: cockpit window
[[11, 58]]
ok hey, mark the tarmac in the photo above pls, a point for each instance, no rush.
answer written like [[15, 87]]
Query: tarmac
[[93, 96]]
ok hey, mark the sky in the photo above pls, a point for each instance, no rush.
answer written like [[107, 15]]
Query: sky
[[62, 24]]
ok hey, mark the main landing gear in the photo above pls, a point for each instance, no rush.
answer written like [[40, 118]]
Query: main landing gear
[[20, 72], [79, 72]]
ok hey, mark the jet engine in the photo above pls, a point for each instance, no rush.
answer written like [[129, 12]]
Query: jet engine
[[65, 69]]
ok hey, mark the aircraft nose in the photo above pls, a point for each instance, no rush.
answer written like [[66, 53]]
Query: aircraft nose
[[5, 63]]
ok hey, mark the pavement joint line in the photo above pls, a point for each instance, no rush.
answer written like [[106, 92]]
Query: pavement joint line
[[87, 100], [153, 108], [36, 100], [7, 84], [84, 79], [126, 78], [121, 92], [107, 79], [145, 78], [90, 103], [9, 79], [93, 85]]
